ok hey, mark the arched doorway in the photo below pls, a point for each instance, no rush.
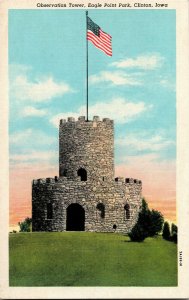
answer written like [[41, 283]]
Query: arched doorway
[[75, 218]]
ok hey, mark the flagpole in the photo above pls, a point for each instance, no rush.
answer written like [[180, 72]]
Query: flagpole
[[87, 67]]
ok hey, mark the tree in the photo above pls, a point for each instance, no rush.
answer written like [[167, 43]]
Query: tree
[[149, 223], [156, 222], [139, 231], [174, 230], [25, 226], [166, 231]]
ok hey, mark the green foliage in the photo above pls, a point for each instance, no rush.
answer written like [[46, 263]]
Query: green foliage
[[25, 226], [137, 234], [156, 222], [144, 205], [174, 230], [174, 237], [170, 235], [166, 231], [149, 223]]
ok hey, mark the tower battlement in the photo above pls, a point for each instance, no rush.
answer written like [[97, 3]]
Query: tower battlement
[[56, 179], [82, 119], [128, 180]]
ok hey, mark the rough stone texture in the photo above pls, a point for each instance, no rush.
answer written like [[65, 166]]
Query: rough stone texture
[[86, 145], [89, 145]]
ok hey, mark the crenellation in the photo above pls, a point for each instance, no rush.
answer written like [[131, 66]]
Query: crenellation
[[81, 118], [96, 118], [81, 121], [119, 179], [62, 121], [86, 179], [50, 180], [106, 120], [41, 180], [71, 119], [129, 180]]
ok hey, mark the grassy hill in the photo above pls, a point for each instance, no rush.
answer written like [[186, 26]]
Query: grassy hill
[[90, 259]]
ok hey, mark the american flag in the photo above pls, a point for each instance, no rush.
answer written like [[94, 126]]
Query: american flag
[[99, 38]]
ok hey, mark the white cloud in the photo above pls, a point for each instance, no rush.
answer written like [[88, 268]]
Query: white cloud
[[119, 109], [166, 83], [145, 62], [33, 112], [116, 78], [34, 156], [38, 89], [30, 136], [17, 69], [20, 136], [141, 143]]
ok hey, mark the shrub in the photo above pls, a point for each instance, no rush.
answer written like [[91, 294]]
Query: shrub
[[166, 231], [149, 223], [25, 226], [137, 234]]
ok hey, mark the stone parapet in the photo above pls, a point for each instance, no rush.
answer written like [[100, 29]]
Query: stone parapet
[[82, 119]]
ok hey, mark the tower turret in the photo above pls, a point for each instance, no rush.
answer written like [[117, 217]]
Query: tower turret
[[86, 149]]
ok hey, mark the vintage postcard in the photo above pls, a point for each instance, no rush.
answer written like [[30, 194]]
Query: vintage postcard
[[94, 154]]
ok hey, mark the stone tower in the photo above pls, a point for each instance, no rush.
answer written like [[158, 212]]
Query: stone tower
[[86, 146], [86, 196]]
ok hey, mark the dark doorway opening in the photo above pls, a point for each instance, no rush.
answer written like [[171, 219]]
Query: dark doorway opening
[[127, 211], [65, 172], [49, 211], [83, 174], [75, 220], [101, 208]]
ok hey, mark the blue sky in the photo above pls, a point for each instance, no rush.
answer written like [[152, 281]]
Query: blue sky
[[135, 87]]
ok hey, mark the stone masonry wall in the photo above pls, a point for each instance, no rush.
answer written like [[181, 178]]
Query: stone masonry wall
[[62, 192], [88, 145]]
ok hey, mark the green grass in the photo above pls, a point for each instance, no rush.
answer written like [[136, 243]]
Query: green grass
[[90, 259]]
